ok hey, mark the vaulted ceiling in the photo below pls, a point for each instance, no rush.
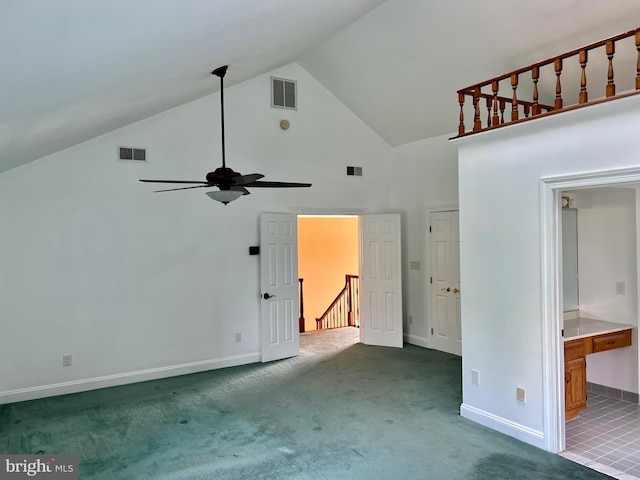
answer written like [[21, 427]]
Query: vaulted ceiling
[[73, 69]]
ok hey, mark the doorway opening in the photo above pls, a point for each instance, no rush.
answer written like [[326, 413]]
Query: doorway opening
[[328, 264], [552, 190], [600, 311], [380, 292]]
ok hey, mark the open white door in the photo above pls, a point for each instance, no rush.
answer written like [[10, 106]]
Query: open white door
[[381, 282], [279, 286]]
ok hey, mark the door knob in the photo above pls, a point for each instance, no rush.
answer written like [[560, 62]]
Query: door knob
[[448, 289], [267, 296], [456, 290]]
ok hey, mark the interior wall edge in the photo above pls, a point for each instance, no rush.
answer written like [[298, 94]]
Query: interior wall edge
[[76, 386]]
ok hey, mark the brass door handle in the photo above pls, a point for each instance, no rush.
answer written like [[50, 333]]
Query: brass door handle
[[448, 289], [456, 290]]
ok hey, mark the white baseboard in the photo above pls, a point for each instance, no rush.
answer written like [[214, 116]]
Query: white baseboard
[[416, 340], [94, 383], [525, 434]]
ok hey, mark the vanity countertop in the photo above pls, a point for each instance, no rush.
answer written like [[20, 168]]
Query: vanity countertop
[[575, 328]]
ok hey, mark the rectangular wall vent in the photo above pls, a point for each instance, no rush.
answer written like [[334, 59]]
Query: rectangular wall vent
[[354, 171], [131, 153], [283, 93]]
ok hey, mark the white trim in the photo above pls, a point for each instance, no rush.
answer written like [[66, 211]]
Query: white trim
[[94, 383], [525, 434], [328, 211], [447, 207], [552, 315], [416, 340], [552, 320]]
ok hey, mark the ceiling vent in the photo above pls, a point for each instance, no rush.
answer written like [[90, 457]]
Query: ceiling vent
[[354, 171], [131, 153], [284, 93]]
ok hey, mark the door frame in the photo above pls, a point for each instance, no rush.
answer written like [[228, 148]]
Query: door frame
[[551, 279], [447, 207]]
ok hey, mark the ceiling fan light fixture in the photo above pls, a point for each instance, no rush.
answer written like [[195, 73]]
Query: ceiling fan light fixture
[[224, 196]]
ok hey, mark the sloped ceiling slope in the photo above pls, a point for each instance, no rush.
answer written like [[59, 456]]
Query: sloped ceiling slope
[[399, 67], [72, 69]]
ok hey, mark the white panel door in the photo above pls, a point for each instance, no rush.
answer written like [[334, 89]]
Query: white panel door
[[279, 286], [381, 280], [446, 330]]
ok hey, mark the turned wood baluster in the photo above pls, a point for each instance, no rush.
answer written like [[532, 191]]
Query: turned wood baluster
[[477, 123], [557, 65], [611, 50], [583, 96], [535, 75], [514, 101], [526, 110], [502, 107], [489, 107], [638, 63], [495, 119], [461, 102]]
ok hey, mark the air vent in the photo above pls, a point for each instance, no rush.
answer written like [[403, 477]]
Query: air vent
[[131, 153], [283, 93], [354, 171]]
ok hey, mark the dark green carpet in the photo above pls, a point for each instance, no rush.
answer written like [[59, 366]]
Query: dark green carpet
[[338, 411]]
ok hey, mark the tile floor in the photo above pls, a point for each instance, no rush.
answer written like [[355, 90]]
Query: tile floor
[[606, 437]]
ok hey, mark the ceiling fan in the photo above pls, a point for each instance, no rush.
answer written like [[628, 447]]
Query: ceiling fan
[[232, 185]]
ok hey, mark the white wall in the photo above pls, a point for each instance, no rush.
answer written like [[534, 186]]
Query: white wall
[[425, 175], [137, 285], [606, 255], [500, 176]]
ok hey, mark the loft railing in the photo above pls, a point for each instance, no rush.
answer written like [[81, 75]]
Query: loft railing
[[344, 310], [545, 95]]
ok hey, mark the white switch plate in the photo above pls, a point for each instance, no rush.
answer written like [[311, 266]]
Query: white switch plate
[[475, 377], [620, 288], [521, 394], [238, 337], [66, 360]]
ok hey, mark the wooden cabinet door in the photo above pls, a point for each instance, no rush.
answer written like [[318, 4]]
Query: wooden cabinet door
[[575, 389]]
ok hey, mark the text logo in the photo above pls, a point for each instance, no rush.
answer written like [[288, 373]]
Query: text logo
[[52, 467]]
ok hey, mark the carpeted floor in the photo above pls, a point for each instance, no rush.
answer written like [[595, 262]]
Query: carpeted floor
[[338, 411]]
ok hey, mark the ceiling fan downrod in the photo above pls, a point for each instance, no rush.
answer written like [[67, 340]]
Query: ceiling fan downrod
[[220, 73]]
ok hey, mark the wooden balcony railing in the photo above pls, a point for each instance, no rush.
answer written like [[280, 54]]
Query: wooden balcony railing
[[548, 91]]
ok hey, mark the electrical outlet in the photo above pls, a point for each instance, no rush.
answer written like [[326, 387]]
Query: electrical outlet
[[521, 394], [238, 337], [475, 377], [66, 360], [620, 288]]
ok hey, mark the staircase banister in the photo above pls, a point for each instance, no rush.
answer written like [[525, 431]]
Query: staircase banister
[[333, 304]]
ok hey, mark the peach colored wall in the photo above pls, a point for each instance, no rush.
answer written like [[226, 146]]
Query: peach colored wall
[[327, 251]]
